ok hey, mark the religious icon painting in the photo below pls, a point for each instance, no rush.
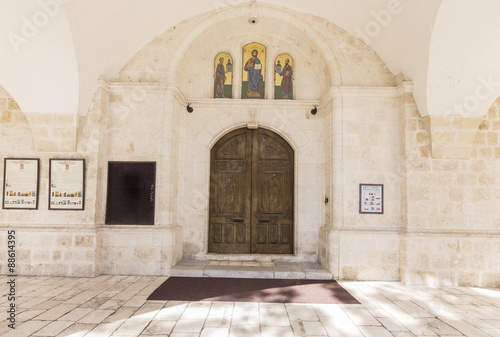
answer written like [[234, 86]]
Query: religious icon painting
[[283, 77], [254, 70], [223, 76]]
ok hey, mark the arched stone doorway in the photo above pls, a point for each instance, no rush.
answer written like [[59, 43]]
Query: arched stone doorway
[[251, 194]]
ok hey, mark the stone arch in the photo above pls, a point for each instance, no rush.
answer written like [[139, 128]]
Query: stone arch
[[265, 125], [327, 57], [213, 19]]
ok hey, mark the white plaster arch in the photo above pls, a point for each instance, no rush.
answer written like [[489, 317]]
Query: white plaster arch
[[468, 85], [38, 61], [93, 38]]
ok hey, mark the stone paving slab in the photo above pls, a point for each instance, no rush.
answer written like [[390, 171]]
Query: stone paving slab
[[250, 269], [386, 309]]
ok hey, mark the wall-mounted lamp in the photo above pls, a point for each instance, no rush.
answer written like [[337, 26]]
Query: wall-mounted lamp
[[326, 200], [189, 108], [315, 110]]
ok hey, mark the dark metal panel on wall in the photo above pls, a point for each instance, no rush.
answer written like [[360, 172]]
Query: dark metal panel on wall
[[131, 193]]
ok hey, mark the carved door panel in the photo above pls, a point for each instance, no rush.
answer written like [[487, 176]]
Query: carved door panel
[[272, 194], [251, 194], [230, 188]]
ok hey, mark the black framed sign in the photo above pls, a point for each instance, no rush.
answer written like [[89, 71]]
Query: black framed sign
[[20, 188], [67, 184], [371, 198]]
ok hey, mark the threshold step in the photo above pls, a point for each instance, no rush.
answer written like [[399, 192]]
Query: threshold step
[[250, 269]]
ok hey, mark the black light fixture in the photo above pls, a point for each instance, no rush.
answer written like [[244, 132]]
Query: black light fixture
[[315, 110], [189, 108]]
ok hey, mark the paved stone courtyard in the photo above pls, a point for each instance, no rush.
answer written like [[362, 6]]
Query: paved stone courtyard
[[117, 306]]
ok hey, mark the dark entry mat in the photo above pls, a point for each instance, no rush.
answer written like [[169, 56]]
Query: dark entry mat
[[252, 290]]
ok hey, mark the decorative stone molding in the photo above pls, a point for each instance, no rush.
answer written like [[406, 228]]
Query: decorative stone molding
[[252, 121], [141, 88]]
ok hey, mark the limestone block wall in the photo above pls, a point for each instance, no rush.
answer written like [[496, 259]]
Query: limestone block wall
[[50, 252], [365, 150], [135, 250], [54, 132], [15, 131], [368, 256], [62, 243], [452, 234], [138, 123], [44, 132], [211, 120]]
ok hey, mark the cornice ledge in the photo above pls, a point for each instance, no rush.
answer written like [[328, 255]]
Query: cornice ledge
[[252, 103], [453, 233], [359, 91], [142, 87], [405, 87]]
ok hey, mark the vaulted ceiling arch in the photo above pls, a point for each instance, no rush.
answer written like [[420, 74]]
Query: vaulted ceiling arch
[[447, 48]]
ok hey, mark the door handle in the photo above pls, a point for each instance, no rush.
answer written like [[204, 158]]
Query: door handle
[[264, 220], [238, 220], [152, 193]]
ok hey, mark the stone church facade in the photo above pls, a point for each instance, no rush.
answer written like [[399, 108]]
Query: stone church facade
[[440, 188]]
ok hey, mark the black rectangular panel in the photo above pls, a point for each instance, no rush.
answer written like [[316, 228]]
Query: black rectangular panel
[[131, 193]]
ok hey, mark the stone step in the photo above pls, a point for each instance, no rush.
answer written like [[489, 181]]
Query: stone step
[[250, 269]]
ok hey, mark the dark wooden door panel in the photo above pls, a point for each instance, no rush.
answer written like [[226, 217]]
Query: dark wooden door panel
[[251, 194], [230, 182], [130, 195], [272, 194]]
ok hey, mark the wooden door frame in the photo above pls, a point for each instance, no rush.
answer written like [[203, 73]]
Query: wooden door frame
[[289, 142]]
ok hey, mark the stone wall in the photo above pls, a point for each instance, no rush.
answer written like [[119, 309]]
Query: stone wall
[[440, 221], [452, 233], [364, 149], [210, 121], [62, 243], [15, 131]]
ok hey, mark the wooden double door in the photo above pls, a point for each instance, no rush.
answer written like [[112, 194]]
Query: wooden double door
[[251, 194]]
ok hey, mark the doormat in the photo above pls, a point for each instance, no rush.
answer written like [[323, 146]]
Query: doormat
[[252, 290]]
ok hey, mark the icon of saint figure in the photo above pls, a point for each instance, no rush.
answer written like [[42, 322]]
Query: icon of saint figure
[[254, 68], [286, 82], [220, 79]]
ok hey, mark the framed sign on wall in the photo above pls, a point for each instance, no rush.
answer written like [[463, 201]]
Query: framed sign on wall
[[20, 188], [67, 184], [371, 198]]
